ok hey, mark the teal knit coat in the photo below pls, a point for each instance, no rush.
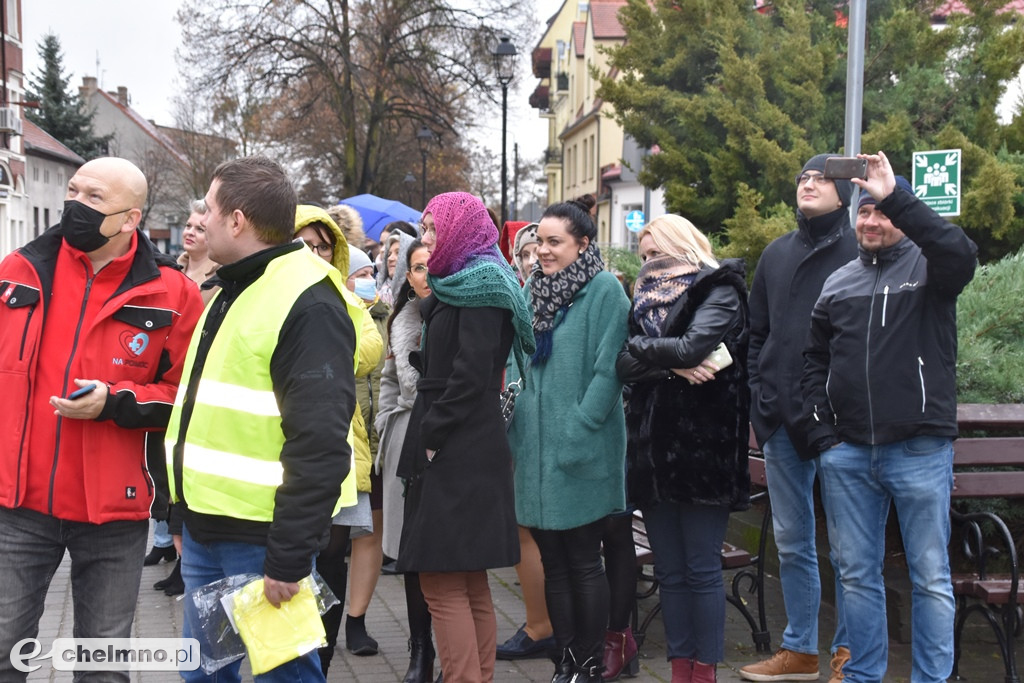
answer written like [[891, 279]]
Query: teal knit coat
[[568, 435]]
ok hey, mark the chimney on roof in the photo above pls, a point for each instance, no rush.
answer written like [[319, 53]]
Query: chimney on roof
[[122, 96], [88, 87]]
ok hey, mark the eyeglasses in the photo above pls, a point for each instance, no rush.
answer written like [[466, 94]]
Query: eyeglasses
[[419, 269], [816, 179], [323, 249]]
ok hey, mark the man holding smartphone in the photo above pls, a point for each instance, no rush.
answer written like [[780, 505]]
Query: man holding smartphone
[[879, 387], [89, 303], [786, 284]]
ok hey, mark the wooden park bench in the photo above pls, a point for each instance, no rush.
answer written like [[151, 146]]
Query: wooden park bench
[[749, 580], [981, 539]]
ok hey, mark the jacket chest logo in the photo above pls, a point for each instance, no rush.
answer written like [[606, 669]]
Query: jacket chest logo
[[134, 343]]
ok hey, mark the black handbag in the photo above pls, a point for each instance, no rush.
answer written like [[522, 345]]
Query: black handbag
[[508, 401]]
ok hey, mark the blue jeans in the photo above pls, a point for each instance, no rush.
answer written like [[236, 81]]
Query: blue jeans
[[687, 542], [859, 483], [791, 485], [205, 563], [106, 568], [161, 536]]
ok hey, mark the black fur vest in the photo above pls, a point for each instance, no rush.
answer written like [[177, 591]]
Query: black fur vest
[[688, 443]]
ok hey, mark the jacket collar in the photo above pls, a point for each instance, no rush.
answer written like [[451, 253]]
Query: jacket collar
[[823, 229], [886, 255], [245, 271], [41, 253]]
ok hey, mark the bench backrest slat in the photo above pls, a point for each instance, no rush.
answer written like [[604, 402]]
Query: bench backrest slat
[[988, 485], [994, 451]]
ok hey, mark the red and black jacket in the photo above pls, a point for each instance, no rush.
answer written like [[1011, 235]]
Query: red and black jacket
[[136, 344]]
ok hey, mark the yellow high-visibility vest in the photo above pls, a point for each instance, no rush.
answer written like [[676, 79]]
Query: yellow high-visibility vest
[[231, 461]]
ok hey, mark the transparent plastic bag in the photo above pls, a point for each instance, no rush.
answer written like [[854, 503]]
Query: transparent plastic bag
[[210, 611]]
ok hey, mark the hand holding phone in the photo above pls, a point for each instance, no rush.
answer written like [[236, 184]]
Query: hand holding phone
[[846, 167], [78, 393]]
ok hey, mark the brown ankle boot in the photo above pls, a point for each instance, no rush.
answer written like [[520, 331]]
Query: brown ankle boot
[[784, 665]]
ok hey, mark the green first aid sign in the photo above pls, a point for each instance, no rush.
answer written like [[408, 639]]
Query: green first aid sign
[[937, 180]]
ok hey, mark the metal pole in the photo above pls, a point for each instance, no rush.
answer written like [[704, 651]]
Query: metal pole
[[504, 162], [423, 180], [515, 180], [855, 84]]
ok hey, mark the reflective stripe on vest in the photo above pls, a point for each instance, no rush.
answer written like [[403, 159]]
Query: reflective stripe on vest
[[231, 452]]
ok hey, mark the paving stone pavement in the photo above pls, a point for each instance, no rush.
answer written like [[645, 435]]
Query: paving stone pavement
[[160, 616]]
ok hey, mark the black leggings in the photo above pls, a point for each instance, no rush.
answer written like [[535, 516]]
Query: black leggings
[[575, 587]]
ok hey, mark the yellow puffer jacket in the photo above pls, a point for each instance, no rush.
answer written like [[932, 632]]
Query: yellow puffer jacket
[[371, 345]]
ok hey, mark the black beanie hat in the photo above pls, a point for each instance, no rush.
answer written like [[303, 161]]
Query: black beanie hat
[[843, 186]]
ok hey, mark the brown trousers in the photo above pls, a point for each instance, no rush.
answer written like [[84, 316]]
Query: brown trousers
[[464, 624]]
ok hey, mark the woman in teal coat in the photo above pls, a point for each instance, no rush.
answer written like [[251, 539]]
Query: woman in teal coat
[[568, 435]]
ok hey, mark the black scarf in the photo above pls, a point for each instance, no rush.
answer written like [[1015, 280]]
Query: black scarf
[[552, 293]]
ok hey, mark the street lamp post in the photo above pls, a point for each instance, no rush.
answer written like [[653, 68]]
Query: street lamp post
[[504, 56], [409, 180], [424, 137]]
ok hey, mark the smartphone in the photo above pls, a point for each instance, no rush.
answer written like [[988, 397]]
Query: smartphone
[[846, 167], [81, 392]]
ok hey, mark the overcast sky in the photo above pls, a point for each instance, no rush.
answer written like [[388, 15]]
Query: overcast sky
[[134, 42]]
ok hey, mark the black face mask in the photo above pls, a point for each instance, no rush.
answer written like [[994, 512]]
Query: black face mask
[[80, 225]]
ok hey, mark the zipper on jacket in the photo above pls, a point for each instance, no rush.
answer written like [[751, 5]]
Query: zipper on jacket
[[828, 397], [67, 371], [24, 431], [885, 303], [920, 374], [24, 334], [867, 347]]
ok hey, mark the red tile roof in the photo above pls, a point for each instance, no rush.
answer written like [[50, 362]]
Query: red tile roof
[[958, 7], [579, 35], [605, 16], [42, 143]]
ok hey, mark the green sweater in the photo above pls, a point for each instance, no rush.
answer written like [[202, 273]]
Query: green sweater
[[568, 435]]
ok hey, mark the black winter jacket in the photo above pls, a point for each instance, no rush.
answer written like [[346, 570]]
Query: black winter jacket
[[786, 284], [688, 443], [880, 365]]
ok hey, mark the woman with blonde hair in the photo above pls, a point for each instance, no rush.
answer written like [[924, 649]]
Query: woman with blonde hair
[[687, 422]]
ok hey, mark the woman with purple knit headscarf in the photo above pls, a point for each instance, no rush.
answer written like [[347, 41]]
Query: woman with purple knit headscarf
[[459, 507]]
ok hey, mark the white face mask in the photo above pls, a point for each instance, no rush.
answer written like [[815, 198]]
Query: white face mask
[[365, 288]]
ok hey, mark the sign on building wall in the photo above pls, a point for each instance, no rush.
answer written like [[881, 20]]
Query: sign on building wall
[[635, 221], [937, 180]]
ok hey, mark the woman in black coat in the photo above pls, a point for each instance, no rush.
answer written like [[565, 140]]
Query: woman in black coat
[[459, 508], [687, 420]]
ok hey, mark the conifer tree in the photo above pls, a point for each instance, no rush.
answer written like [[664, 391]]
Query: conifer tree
[[736, 100], [60, 111]]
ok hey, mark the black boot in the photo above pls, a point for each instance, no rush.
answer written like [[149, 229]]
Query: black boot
[[588, 672], [564, 667], [173, 581], [156, 554], [421, 661]]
